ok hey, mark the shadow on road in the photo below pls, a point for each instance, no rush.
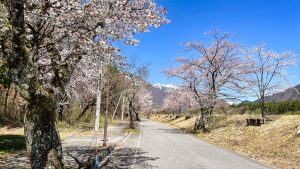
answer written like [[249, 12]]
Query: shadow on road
[[128, 158], [82, 153], [19, 160], [172, 131]]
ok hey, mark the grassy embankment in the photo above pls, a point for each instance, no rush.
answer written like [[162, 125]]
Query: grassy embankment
[[275, 143]]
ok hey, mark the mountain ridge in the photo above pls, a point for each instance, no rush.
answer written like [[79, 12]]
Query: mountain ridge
[[292, 93]]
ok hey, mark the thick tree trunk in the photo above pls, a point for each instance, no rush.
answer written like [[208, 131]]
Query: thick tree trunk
[[42, 137], [201, 121], [131, 120], [131, 110], [43, 142], [131, 116]]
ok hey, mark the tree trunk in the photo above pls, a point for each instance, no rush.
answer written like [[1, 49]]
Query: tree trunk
[[86, 108], [131, 116], [42, 137], [201, 122], [137, 118], [263, 108], [6, 101], [131, 120], [131, 110]]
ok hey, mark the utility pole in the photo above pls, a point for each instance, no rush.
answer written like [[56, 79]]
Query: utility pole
[[98, 102], [107, 104]]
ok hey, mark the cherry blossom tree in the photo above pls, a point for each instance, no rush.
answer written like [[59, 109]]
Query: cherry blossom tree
[[215, 73], [180, 99], [136, 83], [267, 72], [42, 42], [146, 101]]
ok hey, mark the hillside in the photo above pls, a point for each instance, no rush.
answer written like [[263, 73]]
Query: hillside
[[159, 93], [292, 93], [158, 96]]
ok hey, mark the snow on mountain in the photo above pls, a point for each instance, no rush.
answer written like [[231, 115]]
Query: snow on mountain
[[166, 87], [159, 92]]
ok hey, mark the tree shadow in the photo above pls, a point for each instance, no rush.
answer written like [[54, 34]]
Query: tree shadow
[[13, 147], [10, 143], [128, 158], [172, 131], [14, 161], [82, 153], [120, 159], [20, 159]]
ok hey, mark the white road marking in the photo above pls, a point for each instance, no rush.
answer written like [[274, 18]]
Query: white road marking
[[125, 139], [140, 137], [138, 146]]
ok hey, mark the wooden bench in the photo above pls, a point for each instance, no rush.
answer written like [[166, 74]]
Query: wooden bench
[[187, 117], [255, 122]]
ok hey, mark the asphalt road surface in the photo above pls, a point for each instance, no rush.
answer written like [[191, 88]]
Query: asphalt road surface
[[159, 146]]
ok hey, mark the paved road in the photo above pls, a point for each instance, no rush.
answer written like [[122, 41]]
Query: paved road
[[115, 134], [159, 146]]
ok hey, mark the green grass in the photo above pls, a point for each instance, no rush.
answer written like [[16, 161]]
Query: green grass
[[132, 131], [11, 143]]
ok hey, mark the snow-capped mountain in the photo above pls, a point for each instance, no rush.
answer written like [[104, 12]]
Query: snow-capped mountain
[[165, 87], [159, 92]]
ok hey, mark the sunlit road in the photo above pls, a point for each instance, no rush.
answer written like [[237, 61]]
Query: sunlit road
[[159, 146]]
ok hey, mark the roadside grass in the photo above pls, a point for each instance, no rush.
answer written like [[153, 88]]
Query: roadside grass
[[275, 142], [11, 143], [132, 131]]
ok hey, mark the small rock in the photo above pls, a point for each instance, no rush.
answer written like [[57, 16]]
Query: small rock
[[298, 133]]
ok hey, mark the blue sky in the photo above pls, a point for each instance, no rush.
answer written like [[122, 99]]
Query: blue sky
[[274, 22]]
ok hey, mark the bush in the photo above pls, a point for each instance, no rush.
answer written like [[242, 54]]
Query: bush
[[276, 108]]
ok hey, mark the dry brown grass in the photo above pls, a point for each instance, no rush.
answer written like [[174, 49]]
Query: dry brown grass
[[63, 132], [11, 131], [275, 143]]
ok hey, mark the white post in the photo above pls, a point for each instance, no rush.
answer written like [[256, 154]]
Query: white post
[[112, 117], [98, 103]]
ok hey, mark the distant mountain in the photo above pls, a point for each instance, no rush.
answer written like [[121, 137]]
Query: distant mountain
[[158, 96], [159, 92], [292, 93], [166, 87]]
